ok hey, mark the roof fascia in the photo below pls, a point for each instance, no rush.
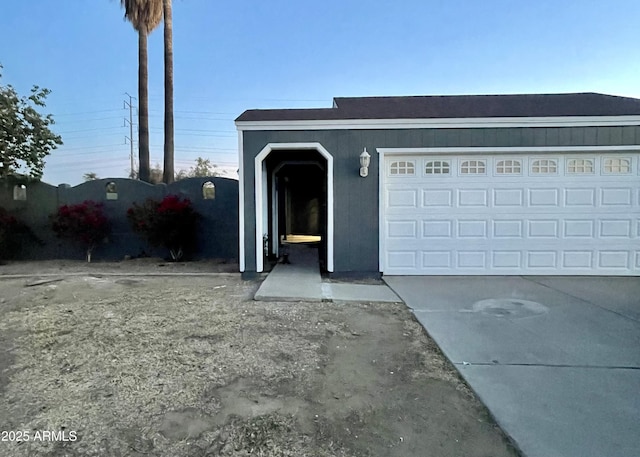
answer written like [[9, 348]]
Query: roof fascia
[[498, 122]]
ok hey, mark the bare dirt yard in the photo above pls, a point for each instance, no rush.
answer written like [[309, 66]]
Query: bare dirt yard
[[143, 358]]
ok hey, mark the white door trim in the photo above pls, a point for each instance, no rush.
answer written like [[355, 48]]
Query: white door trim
[[262, 205]]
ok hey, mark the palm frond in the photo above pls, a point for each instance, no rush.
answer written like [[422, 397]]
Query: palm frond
[[144, 15]]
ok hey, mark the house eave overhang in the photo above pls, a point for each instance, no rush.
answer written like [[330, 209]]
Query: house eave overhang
[[440, 123]]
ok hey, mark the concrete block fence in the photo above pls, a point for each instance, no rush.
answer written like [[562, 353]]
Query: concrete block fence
[[214, 198]]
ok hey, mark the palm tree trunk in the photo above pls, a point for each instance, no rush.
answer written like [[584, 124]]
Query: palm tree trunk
[[143, 108], [168, 94]]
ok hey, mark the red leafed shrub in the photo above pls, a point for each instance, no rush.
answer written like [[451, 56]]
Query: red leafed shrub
[[84, 223], [170, 222]]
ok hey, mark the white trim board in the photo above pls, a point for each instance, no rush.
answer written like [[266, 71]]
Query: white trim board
[[381, 228], [508, 150], [261, 209], [484, 122], [241, 202]]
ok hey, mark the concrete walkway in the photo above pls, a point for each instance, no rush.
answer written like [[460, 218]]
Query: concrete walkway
[[301, 281], [555, 359]]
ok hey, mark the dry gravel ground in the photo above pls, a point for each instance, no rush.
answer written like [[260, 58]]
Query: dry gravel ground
[[135, 364]]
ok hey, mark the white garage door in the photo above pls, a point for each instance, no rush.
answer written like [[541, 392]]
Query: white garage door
[[562, 214]]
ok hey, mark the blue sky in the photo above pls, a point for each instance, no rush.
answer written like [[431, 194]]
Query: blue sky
[[232, 55]]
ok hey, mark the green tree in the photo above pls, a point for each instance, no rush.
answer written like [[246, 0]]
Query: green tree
[[168, 93], [25, 136], [155, 174], [144, 15], [203, 168]]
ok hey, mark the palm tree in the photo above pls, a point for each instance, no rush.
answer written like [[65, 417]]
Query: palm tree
[[144, 15], [168, 93]]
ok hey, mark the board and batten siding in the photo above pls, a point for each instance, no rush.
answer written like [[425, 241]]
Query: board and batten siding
[[356, 237]]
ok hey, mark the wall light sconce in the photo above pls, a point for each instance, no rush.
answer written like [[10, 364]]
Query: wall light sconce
[[365, 160]]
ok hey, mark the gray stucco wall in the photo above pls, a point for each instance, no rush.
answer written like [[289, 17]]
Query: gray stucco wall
[[356, 199], [217, 235]]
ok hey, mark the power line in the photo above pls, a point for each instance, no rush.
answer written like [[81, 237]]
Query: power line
[[205, 151], [72, 148], [70, 158], [195, 97], [76, 121], [86, 112], [195, 134], [199, 148], [226, 119], [204, 130], [89, 163], [89, 130]]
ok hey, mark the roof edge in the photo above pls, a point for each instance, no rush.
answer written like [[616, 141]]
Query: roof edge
[[439, 123]]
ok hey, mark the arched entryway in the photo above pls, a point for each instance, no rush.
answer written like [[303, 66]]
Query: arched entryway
[[294, 196]]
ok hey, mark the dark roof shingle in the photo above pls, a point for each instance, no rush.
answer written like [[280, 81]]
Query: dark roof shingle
[[456, 106]]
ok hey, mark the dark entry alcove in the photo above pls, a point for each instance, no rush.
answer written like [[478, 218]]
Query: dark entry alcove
[[297, 201]]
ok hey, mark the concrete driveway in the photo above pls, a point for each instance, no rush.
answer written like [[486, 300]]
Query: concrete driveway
[[555, 359]]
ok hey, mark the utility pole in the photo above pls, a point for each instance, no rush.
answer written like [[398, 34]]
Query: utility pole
[[129, 104]]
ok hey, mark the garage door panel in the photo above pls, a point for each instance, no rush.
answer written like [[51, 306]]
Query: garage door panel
[[579, 228], [473, 229], [465, 262], [508, 229], [544, 228], [580, 197], [542, 259], [438, 198], [508, 197], [561, 231], [402, 229], [472, 197], [494, 223], [614, 259], [472, 259], [611, 228], [437, 228], [544, 197], [436, 260], [506, 259], [405, 261], [577, 259], [402, 198], [616, 196]]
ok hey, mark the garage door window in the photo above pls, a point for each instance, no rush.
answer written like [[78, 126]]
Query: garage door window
[[473, 167], [617, 166], [437, 167], [402, 168], [579, 166], [509, 167], [544, 167]]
